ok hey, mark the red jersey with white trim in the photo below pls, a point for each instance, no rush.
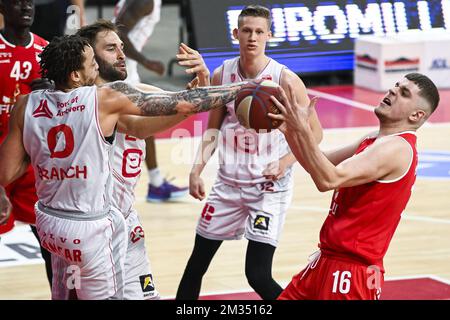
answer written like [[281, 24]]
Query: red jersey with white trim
[[362, 219], [19, 66], [69, 154]]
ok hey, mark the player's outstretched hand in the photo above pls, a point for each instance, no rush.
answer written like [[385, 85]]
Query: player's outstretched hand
[[5, 206], [193, 61], [274, 170], [293, 114], [196, 186]]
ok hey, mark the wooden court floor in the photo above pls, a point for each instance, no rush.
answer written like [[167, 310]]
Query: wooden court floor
[[421, 244]]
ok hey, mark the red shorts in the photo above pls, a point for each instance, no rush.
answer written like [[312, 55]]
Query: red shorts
[[330, 278], [22, 194]]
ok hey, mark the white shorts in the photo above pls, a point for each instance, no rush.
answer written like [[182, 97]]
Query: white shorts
[[87, 255], [139, 283], [257, 211]]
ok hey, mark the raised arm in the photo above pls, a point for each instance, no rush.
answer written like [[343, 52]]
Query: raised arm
[[290, 78], [144, 127], [124, 98], [276, 170], [120, 98], [208, 145], [388, 158], [194, 63]]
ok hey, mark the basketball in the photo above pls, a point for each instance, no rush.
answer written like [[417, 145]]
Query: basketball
[[253, 103]]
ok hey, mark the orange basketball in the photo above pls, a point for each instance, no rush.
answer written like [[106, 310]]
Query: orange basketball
[[253, 103]]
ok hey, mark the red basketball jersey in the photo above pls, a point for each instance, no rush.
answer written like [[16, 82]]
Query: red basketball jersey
[[362, 219], [19, 66]]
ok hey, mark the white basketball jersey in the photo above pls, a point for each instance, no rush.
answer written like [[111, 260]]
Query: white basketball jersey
[[244, 154], [68, 152], [128, 155]]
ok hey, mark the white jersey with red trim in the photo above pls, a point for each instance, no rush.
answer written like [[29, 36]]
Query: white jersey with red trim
[[128, 155], [244, 154], [69, 155]]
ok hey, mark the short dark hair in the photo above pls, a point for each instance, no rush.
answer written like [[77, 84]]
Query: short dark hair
[[62, 56], [90, 31], [428, 89], [255, 10]]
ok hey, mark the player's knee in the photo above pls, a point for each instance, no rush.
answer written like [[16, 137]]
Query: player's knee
[[196, 267], [258, 277]]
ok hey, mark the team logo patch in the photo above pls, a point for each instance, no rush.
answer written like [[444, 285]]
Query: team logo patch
[[261, 222], [43, 110], [147, 283]]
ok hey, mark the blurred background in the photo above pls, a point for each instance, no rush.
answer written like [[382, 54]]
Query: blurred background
[[315, 39]]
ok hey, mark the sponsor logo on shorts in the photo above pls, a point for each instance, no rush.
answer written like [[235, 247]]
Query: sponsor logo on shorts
[[147, 283], [261, 222]]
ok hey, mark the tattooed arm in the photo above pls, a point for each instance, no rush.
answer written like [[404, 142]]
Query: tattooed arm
[[144, 127], [124, 98]]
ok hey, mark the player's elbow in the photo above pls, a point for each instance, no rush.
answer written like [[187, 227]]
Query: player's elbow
[[324, 186]]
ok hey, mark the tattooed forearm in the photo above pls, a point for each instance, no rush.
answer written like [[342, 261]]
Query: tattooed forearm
[[135, 95], [184, 102], [207, 98]]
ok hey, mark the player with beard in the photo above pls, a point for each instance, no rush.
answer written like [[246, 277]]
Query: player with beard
[[136, 21], [69, 136], [129, 151]]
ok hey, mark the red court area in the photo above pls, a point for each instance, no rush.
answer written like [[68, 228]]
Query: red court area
[[338, 107], [404, 289]]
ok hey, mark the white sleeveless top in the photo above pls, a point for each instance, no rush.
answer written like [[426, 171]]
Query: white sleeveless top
[[144, 27], [68, 152], [244, 154], [129, 153]]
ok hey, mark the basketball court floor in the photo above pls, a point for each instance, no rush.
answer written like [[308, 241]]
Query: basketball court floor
[[417, 262]]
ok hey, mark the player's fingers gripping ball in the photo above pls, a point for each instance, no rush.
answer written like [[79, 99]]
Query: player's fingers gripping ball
[[253, 103]]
